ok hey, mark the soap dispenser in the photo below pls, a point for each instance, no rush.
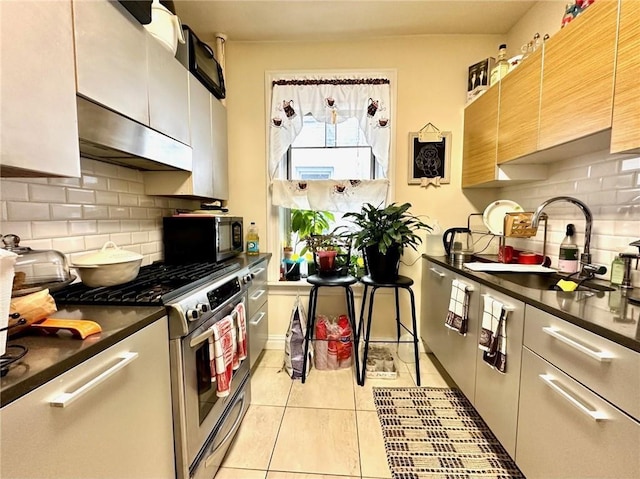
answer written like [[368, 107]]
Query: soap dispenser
[[568, 255]]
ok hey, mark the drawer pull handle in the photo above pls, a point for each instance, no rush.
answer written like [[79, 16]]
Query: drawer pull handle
[[439, 273], [257, 272], [601, 356], [550, 381], [258, 294], [65, 399], [255, 322]]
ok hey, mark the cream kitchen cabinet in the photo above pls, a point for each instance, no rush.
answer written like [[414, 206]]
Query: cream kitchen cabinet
[[625, 129], [107, 417], [168, 82], [111, 58], [566, 430], [577, 79], [121, 66], [38, 117], [209, 176], [456, 353], [258, 311], [496, 395]]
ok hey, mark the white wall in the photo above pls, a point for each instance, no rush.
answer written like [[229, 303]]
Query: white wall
[[73, 215], [543, 18]]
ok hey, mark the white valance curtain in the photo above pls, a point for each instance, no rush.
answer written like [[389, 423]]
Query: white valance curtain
[[329, 100]]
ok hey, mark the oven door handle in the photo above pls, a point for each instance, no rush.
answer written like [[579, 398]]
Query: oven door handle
[[201, 338], [230, 434]]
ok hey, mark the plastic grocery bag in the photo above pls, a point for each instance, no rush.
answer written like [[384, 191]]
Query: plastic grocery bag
[[294, 343]]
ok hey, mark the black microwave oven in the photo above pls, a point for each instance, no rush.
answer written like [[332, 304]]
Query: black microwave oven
[[201, 238], [199, 59]]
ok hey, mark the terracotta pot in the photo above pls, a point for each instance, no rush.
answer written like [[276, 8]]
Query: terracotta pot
[[326, 261]]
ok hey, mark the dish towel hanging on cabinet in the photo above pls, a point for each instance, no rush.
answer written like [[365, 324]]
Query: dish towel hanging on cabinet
[[493, 335], [458, 315]]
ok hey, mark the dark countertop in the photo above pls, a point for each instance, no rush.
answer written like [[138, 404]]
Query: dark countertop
[[607, 314], [49, 355]]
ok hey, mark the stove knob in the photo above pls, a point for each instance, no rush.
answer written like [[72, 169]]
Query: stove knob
[[192, 314], [202, 307]]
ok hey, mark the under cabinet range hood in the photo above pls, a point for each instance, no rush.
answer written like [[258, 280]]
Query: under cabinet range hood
[[111, 137]]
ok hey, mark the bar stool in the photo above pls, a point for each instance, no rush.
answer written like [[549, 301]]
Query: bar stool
[[318, 282], [402, 282]]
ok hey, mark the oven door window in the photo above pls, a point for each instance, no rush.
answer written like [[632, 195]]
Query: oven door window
[[206, 388]]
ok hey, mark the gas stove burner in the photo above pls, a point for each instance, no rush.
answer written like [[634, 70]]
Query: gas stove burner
[[153, 285]]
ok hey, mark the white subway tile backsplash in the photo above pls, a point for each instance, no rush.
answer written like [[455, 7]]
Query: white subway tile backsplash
[[117, 212], [19, 211], [81, 196], [49, 229], [106, 198], [129, 225], [106, 170], [630, 164], [138, 213], [94, 212], [14, 191], [3, 211], [121, 238], [126, 199], [46, 194], [70, 244], [83, 227], [64, 181], [37, 244], [129, 174], [146, 201], [108, 226], [616, 182], [95, 241], [630, 196], [94, 182], [20, 228], [149, 248], [66, 212], [137, 188], [118, 185]]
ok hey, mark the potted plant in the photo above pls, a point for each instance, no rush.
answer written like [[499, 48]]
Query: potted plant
[[382, 235], [305, 224]]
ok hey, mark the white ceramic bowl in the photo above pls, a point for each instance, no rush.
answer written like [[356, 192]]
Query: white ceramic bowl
[[108, 267]]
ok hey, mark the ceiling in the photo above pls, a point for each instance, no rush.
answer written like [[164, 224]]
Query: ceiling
[[325, 20]]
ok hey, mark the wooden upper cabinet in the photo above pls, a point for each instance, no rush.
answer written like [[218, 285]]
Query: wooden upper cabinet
[[38, 115], [625, 132], [480, 139], [577, 78], [520, 109]]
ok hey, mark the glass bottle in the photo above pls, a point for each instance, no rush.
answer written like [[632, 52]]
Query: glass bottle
[[502, 66], [253, 240], [568, 255]]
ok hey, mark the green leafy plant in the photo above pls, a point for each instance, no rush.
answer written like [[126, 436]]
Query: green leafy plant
[[386, 226], [308, 223]]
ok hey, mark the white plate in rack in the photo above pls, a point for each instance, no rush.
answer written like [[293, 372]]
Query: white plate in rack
[[493, 216]]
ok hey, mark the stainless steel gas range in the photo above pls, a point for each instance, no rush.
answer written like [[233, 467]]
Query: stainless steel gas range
[[196, 296]]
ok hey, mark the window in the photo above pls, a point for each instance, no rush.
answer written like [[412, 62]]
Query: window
[[325, 151]]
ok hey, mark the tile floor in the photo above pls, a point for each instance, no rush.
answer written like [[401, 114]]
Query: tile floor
[[326, 428]]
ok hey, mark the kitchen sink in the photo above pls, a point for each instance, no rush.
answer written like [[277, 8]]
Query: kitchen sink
[[549, 281]]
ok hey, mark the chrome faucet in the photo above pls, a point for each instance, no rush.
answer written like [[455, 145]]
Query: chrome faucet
[[587, 269]]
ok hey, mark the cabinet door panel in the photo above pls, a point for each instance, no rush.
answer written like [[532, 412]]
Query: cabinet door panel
[[497, 394], [480, 139], [625, 130], [520, 109], [558, 439], [111, 58], [38, 129], [120, 428], [577, 78], [220, 150], [456, 352], [168, 92]]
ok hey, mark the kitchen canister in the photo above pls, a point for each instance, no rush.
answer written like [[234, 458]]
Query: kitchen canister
[[433, 240], [7, 263]]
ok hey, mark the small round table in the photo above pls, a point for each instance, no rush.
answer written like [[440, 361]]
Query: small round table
[[402, 282]]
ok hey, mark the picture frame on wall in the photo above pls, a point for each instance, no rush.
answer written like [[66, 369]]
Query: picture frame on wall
[[430, 159]]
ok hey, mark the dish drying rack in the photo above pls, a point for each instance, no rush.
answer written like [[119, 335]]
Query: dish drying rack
[[517, 224]]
